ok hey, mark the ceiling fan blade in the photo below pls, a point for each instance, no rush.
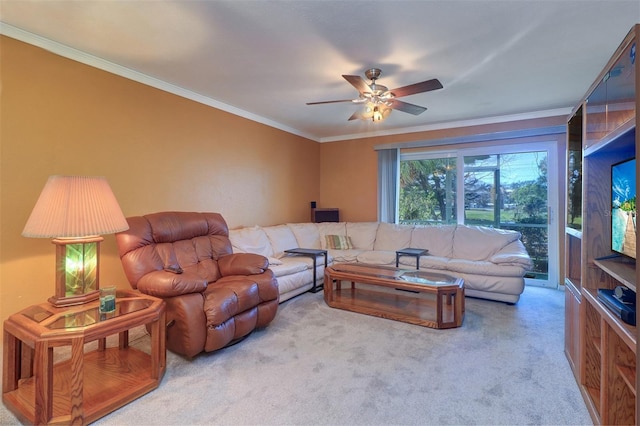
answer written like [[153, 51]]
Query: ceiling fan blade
[[425, 86], [329, 102], [407, 107], [357, 82]]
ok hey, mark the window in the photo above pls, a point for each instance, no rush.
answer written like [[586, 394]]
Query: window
[[506, 187], [428, 191]]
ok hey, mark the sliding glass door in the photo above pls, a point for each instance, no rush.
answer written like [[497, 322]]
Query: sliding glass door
[[507, 187]]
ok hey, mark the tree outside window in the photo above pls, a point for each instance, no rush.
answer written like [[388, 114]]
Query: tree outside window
[[428, 191]]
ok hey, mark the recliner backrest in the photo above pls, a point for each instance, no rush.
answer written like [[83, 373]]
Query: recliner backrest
[[174, 241]]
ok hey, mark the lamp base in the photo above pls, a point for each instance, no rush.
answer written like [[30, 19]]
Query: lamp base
[[60, 302], [77, 279]]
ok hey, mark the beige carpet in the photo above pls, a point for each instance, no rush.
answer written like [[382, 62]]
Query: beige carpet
[[317, 365]]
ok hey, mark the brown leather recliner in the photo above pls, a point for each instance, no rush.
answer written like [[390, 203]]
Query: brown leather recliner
[[214, 297]]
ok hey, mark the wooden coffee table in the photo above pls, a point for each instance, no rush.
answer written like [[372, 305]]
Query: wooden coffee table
[[89, 384], [417, 297]]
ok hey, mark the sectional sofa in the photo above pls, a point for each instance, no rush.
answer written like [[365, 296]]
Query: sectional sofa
[[492, 262]]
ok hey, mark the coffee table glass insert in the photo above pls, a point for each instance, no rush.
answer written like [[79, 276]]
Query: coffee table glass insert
[[417, 297]]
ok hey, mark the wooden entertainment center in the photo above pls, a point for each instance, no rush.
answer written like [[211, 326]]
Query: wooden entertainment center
[[600, 347]]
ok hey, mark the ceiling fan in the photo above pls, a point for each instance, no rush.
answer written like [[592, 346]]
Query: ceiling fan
[[378, 100]]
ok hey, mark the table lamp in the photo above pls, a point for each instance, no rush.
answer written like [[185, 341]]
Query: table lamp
[[75, 211]]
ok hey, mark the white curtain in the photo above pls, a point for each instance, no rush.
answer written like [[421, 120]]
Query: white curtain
[[388, 176]]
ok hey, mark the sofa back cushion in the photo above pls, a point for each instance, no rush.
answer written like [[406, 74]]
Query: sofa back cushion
[[307, 235], [479, 242], [330, 228], [251, 240], [281, 238], [392, 237], [189, 241], [437, 239], [362, 234]]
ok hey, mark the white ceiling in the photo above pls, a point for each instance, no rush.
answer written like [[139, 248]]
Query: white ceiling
[[497, 60]]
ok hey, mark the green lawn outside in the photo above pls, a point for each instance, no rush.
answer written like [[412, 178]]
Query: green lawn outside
[[487, 216]]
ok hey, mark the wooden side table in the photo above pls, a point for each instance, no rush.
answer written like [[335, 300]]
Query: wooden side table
[[88, 385]]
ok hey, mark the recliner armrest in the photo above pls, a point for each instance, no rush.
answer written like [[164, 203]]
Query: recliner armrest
[[168, 284], [242, 264]]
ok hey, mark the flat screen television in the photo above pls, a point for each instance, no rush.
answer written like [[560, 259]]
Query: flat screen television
[[623, 208]]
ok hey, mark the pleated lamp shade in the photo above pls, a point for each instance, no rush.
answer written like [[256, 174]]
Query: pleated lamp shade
[[75, 207]]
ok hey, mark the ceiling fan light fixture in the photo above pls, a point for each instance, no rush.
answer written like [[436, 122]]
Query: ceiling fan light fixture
[[367, 111], [375, 112]]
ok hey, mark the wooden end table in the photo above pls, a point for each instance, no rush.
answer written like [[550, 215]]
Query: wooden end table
[[88, 385]]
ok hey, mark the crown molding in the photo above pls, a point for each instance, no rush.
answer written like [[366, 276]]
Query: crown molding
[[455, 124], [481, 137]]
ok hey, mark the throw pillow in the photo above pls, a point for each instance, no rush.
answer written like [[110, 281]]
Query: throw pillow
[[338, 242]]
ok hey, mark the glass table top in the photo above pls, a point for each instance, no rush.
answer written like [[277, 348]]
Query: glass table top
[[397, 274], [85, 317]]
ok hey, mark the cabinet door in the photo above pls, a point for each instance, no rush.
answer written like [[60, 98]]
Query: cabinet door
[[572, 329], [611, 106]]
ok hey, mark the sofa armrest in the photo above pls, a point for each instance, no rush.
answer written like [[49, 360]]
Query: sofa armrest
[[242, 264], [169, 284], [514, 254]]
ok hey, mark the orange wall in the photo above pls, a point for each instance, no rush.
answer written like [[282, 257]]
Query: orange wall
[[157, 150]]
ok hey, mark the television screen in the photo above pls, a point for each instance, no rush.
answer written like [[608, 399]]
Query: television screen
[[623, 208]]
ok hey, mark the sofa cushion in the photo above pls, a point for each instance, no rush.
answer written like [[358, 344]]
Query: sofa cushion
[[281, 238], [378, 257], [274, 261], [392, 237], [437, 239], [362, 234], [433, 262], [514, 254], [288, 266], [479, 267], [480, 243], [292, 285], [330, 228], [344, 255], [338, 242], [306, 234], [504, 289], [251, 240]]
